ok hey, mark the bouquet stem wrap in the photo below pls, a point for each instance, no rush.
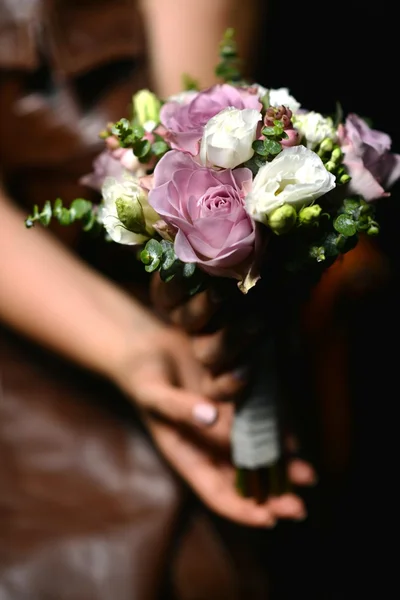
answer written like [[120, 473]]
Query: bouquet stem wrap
[[256, 440]]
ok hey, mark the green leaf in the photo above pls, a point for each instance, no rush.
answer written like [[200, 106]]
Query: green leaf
[[189, 83], [345, 225], [65, 218], [141, 148], [138, 131], [272, 147], [79, 207], [159, 148], [259, 162], [189, 269], [168, 257], [90, 221], [57, 208], [268, 131], [153, 266], [351, 206], [259, 147], [330, 245], [151, 255], [46, 214]]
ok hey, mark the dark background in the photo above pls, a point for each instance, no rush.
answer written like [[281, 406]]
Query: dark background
[[327, 52]]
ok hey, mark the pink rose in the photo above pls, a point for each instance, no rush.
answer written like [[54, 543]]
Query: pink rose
[[372, 167], [207, 208], [184, 121], [104, 165]]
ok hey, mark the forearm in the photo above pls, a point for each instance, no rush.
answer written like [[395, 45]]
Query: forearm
[[52, 297], [184, 37]]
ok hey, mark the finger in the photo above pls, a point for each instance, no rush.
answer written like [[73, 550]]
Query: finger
[[166, 296], [288, 506], [212, 482], [196, 312], [227, 387], [177, 405], [220, 351], [301, 472]]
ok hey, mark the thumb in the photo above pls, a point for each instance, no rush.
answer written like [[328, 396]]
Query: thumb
[[176, 404]]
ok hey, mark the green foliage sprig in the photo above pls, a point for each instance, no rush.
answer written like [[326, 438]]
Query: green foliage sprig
[[160, 256], [130, 135], [79, 210], [265, 150], [336, 233], [228, 69]]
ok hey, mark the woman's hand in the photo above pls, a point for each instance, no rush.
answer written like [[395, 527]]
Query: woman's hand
[[162, 377]]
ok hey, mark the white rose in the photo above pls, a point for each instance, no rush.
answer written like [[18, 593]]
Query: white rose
[[297, 176], [125, 212], [314, 128], [282, 96], [228, 137], [279, 97]]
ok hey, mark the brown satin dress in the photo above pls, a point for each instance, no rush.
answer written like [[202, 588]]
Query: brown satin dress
[[88, 509]]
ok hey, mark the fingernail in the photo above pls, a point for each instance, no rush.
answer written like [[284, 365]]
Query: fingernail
[[205, 414]]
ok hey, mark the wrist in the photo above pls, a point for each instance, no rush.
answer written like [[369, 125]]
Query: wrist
[[128, 342]]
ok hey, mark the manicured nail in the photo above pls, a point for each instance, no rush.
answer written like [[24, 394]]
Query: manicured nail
[[206, 414]]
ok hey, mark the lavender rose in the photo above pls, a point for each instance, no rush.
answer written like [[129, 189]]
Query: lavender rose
[[207, 208], [105, 165], [372, 167], [185, 121]]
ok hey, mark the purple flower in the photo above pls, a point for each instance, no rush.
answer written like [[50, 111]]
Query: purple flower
[[207, 208], [185, 121], [371, 165]]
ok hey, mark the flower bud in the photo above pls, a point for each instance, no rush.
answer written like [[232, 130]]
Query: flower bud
[[282, 219], [309, 215], [146, 107], [373, 230], [130, 213], [293, 138], [326, 145], [125, 212], [330, 166], [336, 154], [345, 178]]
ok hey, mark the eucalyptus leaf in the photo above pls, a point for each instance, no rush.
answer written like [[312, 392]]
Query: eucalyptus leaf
[[259, 148], [272, 147], [159, 148], [345, 225], [189, 269], [79, 207], [141, 148]]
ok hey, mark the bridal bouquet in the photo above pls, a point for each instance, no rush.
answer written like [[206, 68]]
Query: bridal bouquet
[[241, 185]]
